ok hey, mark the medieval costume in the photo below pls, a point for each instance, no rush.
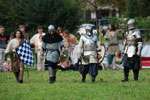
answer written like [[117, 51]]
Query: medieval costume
[[113, 45], [87, 54], [17, 64], [132, 51], [52, 45]]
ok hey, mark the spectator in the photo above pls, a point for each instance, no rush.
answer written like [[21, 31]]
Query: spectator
[[69, 44], [35, 40], [22, 28], [3, 42], [60, 31], [117, 61], [7, 65], [40, 58], [112, 36]]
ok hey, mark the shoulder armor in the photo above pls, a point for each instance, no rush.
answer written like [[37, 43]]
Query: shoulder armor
[[137, 33]]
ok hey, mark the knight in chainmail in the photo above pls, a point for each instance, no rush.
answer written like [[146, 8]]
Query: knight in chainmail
[[132, 51], [53, 46], [87, 54]]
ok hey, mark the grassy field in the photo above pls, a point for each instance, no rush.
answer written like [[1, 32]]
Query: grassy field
[[108, 86]]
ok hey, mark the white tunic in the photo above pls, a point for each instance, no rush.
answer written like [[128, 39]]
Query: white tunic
[[12, 45], [34, 40]]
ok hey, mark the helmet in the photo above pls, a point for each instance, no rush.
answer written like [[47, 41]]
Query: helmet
[[88, 30], [131, 24], [51, 28]]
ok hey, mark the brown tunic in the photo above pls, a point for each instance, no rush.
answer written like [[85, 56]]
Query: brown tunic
[[113, 41]]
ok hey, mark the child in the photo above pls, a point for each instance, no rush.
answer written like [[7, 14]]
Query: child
[[7, 65]]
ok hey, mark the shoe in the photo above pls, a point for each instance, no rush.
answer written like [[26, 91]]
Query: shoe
[[125, 80], [51, 80], [83, 78], [93, 79], [21, 81], [136, 79], [54, 78], [83, 81]]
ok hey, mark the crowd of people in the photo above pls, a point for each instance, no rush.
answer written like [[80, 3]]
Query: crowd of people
[[54, 50]]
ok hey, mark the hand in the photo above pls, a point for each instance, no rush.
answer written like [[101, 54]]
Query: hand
[[100, 29], [79, 60], [61, 53], [102, 44], [138, 53]]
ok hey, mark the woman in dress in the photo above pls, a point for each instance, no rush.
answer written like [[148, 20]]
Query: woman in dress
[[112, 36], [17, 64]]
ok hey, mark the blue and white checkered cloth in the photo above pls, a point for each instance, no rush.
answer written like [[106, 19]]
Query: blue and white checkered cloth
[[25, 53]]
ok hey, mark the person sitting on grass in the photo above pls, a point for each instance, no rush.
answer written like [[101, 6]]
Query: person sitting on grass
[[117, 61], [7, 65]]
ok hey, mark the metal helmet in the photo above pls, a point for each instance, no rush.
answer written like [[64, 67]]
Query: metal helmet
[[88, 29], [51, 28], [131, 24]]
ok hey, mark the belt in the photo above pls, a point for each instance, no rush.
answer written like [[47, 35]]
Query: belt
[[113, 44], [51, 50]]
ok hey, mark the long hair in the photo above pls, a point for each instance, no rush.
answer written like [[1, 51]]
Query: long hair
[[113, 28], [14, 34], [118, 54]]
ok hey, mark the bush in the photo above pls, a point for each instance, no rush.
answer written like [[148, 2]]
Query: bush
[[32, 13]]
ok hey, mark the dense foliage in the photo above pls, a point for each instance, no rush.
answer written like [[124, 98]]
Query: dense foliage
[[33, 13]]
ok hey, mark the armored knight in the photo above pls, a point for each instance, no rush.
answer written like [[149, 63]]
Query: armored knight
[[52, 45], [88, 46], [132, 51]]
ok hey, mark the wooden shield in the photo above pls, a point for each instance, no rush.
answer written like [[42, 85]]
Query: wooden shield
[[101, 53]]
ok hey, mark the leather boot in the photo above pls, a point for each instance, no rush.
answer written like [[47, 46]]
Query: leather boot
[[136, 74], [126, 74], [83, 78], [21, 76], [17, 76], [51, 80], [93, 79]]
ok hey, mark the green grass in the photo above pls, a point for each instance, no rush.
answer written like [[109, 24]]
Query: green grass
[[108, 86]]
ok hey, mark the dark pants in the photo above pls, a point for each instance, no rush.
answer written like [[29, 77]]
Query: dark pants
[[131, 63], [126, 73], [92, 69]]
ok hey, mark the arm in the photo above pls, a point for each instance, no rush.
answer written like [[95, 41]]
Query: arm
[[73, 41], [119, 35], [43, 46], [61, 43], [80, 47], [27, 37], [106, 35], [139, 43], [32, 40], [8, 49]]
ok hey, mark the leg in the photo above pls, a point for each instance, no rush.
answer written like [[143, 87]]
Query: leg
[[136, 74], [110, 59], [55, 70], [126, 74], [52, 74], [17, 76], [21, 75], [1, 58], [84, 70], [38, 61], [93, 71]]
